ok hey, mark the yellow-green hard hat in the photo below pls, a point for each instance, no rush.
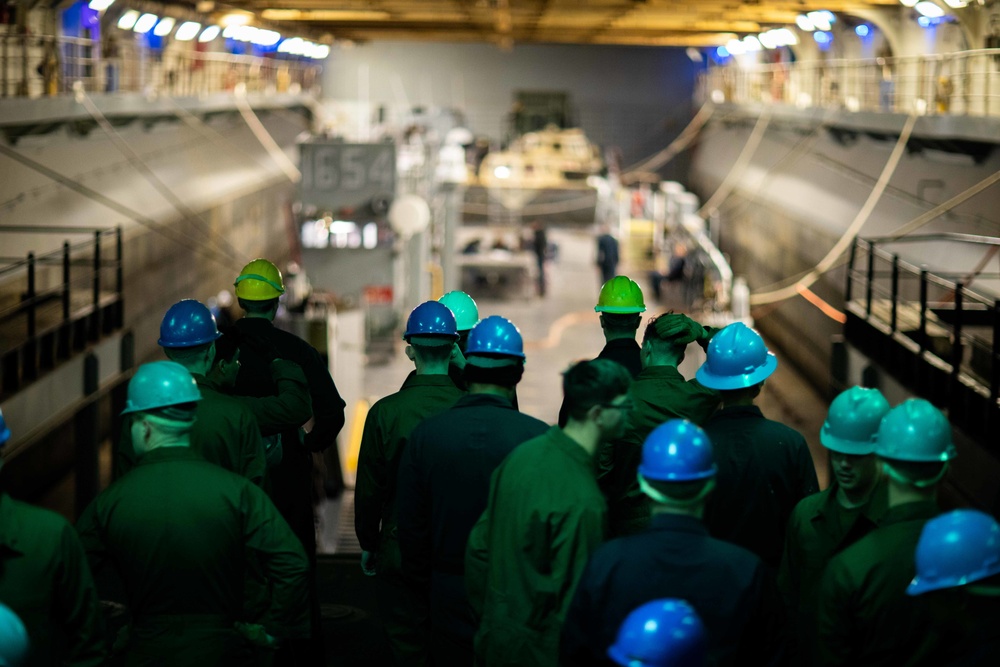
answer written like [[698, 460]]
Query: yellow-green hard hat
[[621, 294], [260, 280]]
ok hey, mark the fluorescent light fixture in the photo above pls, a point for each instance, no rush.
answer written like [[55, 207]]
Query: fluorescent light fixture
[[236, 18], [100, 5], [209, 33], [767, 39], [245, 33], [128, 19], [929, 9], [321, 52], [821, 19], [804, 23], [230, 31], [956, 4], [502, 171], [187, 31], [164, 27], [752, 43], [291, 46], [359, 15], [266, 38], [785, 37], [908, 3], [736, 47], [862, 30], [145, 23]]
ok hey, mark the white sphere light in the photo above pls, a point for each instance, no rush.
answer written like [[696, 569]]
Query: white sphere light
[[409, 215]]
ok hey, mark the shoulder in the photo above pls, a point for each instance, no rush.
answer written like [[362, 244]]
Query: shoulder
[[785, 434], [808, 506], [36, 519]]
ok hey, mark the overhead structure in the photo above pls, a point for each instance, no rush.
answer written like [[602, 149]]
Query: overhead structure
[[506, 22]]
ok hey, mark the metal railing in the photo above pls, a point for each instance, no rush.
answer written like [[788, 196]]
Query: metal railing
[[53, 305], [45, 65], [945, 319], [961, 83]]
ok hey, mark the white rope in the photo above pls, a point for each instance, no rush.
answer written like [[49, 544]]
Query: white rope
[[736, 173], [681, 142], [852, 230], [266, 140]]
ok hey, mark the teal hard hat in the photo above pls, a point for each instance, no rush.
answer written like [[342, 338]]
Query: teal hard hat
[[464, 307], [431, 320], [4, 430], [737, 358], [852, 422], [14, 642], [956, 549], [661, 633], [915, 431], [160, 384], [677, 451], [495, 335], [188, 323]]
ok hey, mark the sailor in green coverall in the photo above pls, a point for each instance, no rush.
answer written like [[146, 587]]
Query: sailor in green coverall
[[45, 581], [431, 336], [177, 530]]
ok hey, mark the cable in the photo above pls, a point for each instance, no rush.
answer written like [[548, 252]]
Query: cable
[[686, 136], [729, 182], [852, 230], [188, 215], [265, 139], [149, 223]]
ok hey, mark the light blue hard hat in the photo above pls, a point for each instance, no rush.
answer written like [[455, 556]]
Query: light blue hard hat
[[160, 384], [737, 358], [495, 335], [13, 638], [956, 549], [852, 422], [915, 431]]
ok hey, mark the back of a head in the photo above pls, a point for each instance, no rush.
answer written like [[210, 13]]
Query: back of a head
[[494, 353], [661, 633], [187, 324], [594, 382], [431, 330], [620, 295], [667, 334], [915, 443], [259, 286], [163, 388], [956, 549], [14, 643], [678, 465], [737, 359]]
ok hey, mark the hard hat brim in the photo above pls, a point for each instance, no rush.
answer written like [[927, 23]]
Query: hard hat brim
[[842, 446], [4, 436], [620, 310], [189, 343], [618, 655], [947, 455], [652, 475], [727, 382], [431, 340]]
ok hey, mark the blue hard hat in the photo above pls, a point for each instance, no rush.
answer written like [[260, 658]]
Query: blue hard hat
[[677, 451], [160, 384], [186, 324], [431, 318], [853, 420], [915, 430], [737, 358], [495, 335], [955, 549], [4, 430], [13, 638], [661, 633]]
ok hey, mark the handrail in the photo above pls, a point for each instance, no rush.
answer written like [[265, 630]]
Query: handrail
[[937, 236]]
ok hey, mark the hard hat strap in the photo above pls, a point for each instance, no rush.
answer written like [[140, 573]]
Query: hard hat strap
[[256, 276], [664, 499]]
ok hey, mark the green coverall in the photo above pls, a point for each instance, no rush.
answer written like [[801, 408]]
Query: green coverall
[[225, 433], [290, 408], [177, 530], [545, 516], [660, 394], [819, 529], [44, 578], [387, 427], [865, 616]]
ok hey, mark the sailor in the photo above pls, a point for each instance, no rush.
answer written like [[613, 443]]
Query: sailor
[[607, 254], [730, 588], [466, 313], [14, 644], [226, 432], [661, 633], [431, 337], [660, 393], [958, 578], [444, 480], [620, 305], [765, 467], [825, 523], [865, 616], [545, 515], [177, 529], [258, 288], [45, 581]]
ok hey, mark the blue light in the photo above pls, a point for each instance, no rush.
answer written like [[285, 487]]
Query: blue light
[[924, 22], [722, 52], [822, 37], [862, 30]]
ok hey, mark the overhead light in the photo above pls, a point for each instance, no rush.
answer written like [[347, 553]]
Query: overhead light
[[929, 9], [100, 5], [187, 31], [209, 33], [321, 51], [736, 47], [751, 43], [767, 39], [324, 15], [236, 18], [804, 23], [244, 33], [822, 38], [722, 52], [145, 23], [785, 37], [266, 38], [862, 30], [128, 19], [164, 27], [822, 19], [908, 3], [956, 4]]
